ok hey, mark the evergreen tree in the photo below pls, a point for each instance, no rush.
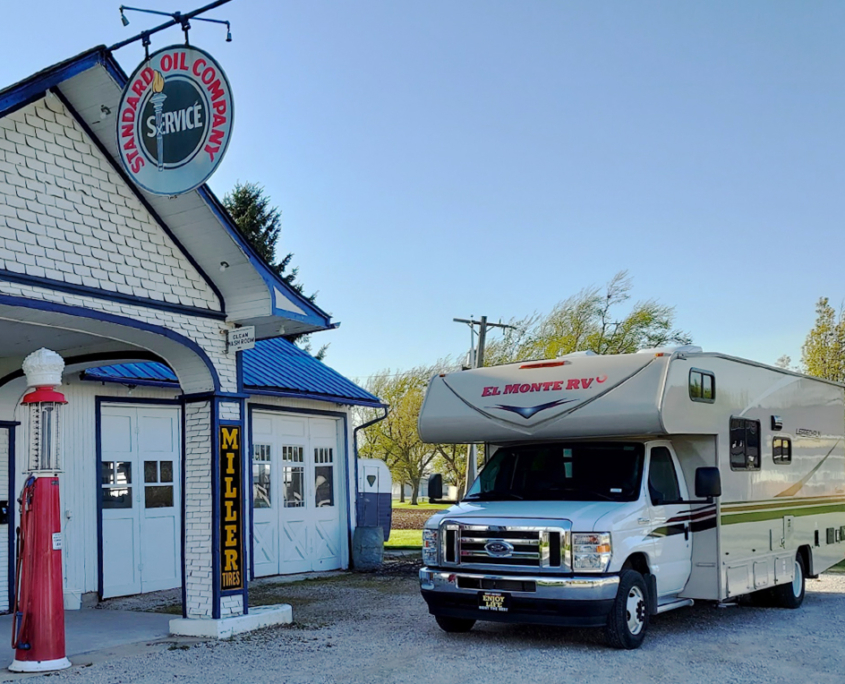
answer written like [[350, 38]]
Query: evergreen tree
[[260, 223], [823, 353]]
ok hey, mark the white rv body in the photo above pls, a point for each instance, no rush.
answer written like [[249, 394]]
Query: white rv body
[[785, 500]]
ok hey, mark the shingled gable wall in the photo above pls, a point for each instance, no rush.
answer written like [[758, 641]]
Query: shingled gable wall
[[67, 215], [68, 219]]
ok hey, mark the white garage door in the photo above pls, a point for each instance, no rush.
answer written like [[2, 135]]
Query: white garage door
[[297, 475], [139, 488]]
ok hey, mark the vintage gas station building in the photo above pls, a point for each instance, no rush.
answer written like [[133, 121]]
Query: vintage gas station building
[[184, 463]]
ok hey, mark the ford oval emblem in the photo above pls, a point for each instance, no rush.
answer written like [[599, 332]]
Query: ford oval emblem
[[498, 548]]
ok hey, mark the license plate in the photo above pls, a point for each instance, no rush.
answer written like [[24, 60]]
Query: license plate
[[494, 601]]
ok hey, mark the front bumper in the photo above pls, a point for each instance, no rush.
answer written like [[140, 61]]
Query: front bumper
[[572, 601]]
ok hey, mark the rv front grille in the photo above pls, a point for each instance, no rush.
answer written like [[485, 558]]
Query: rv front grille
[[505, 546]]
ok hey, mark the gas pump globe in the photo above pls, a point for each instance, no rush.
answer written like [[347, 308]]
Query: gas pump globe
[[38, 627]]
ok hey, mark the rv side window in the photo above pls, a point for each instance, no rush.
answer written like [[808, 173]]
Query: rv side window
[[745, 444], [702, 386], [782, 450]]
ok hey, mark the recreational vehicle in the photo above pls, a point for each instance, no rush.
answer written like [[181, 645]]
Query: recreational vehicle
[[619, 487]]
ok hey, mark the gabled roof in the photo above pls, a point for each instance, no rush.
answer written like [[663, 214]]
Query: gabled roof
[[90, 85], [273, 367]]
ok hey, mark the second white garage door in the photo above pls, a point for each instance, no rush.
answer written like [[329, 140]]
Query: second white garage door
[[297, 476]]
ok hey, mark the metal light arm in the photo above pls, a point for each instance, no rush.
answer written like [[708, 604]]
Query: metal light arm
[[175, 18]]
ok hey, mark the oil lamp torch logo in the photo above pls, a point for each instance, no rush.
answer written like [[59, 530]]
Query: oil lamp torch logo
[[158, 98]]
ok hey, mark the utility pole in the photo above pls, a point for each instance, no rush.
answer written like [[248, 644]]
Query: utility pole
[[476, 360]]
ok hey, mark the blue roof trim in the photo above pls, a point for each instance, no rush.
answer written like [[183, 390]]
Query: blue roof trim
[[273, 368], [314, 315], [34, 87]]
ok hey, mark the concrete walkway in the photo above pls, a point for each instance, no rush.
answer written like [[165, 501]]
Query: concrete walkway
[[94, 635]]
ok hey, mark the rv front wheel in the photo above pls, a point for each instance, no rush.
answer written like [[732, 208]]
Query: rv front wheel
[[792, 595], [448, 624], [628, 619]]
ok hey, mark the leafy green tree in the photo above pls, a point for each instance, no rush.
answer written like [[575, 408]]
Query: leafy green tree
[[396, 441], [260, 223], [589, 320], [823, 353]]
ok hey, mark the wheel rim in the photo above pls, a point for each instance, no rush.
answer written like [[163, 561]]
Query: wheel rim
[[797, 579], [635, 610]]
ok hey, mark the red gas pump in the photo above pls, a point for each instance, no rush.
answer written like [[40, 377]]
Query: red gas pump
[[38, 628]]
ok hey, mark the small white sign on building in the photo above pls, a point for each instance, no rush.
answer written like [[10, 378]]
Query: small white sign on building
[[241, 338]]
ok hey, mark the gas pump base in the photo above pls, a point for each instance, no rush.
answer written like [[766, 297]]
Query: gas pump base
[[39, 665], [263, 616]]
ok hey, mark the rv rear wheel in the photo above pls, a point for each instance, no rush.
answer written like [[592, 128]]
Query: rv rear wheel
[[792, 595], [628, 619], [449, 624]]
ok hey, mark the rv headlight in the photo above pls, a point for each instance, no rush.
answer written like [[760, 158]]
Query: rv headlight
[[429, 547], [590, 551]]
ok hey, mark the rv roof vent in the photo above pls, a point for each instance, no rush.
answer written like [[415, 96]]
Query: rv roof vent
[[683, 348], [587, 352]]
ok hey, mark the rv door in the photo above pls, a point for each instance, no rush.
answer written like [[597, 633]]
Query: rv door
[[670, 523]]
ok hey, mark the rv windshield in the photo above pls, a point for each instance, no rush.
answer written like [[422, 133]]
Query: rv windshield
[[562, 472]]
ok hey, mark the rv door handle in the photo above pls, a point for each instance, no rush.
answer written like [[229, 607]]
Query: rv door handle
[[686, 532], [643, 521]]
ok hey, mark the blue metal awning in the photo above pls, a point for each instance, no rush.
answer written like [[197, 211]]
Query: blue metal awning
[[273, 367]]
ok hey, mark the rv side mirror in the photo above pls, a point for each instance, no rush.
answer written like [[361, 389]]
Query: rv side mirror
[[708, 483], [435, 488]]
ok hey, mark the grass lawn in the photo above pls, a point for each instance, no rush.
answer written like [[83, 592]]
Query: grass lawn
[[839, 567], [404, 539], [419, 507]]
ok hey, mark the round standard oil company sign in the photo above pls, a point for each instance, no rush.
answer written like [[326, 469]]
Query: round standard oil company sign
[[175, 120]]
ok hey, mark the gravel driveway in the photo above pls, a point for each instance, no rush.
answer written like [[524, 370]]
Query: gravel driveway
[[375, 628]]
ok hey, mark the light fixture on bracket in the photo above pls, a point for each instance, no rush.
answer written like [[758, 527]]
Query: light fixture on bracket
[[224, 265], [104, 112], [176, 18]]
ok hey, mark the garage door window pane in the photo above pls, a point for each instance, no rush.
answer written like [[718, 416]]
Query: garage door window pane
[[158, 497], [261, 495], [293, 482], [117, 498], [150, 471], [166, 471], [324, 486]]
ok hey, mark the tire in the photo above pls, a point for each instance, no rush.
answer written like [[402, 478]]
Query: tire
[[792, 595], [454, 625], [629, 617]]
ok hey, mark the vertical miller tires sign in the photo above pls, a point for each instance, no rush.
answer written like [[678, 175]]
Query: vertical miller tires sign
[[175, 120], [231, 509]]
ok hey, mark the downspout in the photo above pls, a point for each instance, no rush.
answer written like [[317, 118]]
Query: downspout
[[355, 454]]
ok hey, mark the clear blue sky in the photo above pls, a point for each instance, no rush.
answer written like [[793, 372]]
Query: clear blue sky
[[438, 159]]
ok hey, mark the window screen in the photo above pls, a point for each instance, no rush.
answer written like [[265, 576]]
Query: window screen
[[745, 444]]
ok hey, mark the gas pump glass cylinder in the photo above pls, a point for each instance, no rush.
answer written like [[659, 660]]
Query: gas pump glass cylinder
[[45, 423]]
